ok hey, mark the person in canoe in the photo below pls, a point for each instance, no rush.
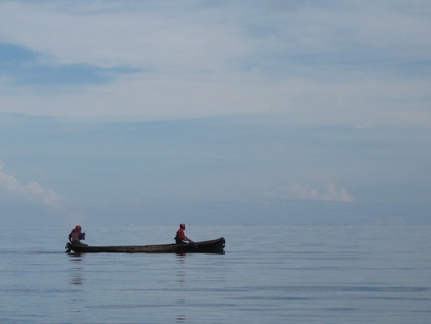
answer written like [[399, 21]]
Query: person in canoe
[[181, 236], [76, 236]]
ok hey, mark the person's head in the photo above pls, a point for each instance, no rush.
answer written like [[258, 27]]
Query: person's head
[[78, 228], [183, 226]]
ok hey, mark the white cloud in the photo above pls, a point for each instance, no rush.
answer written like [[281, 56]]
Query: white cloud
[[30, 192], [297, 192], [146, 35], [333, 194], [333, 63]]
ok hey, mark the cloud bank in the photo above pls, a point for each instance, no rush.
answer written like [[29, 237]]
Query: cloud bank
[[297, 192], [31, 192], [355, 62]]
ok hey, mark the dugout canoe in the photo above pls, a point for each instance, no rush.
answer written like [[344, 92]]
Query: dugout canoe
[[213, 246]]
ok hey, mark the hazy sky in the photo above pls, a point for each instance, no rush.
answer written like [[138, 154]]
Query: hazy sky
[[215, 112]]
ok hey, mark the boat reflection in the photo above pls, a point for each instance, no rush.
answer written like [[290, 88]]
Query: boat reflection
[[75, 271], [76, 280], [181, 280]]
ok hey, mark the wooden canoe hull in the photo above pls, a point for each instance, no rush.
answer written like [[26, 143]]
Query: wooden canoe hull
[[213, 246]]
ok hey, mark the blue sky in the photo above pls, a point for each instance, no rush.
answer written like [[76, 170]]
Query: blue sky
[[215, 112]]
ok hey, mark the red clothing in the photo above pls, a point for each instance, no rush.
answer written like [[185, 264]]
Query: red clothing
[[180, 235]]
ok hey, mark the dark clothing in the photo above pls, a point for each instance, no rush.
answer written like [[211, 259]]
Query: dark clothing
[[75, 242]]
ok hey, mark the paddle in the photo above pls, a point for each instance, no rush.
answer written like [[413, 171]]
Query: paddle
[[192, 243]]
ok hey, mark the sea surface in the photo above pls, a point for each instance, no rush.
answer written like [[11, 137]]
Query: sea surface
[[268, 274]]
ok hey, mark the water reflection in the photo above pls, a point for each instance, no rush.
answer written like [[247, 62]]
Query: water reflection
[[181, 280], [76, 278]]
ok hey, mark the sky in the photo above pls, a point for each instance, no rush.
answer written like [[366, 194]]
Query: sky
[[294, 112]]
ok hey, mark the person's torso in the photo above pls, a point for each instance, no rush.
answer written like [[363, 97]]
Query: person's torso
[[180, 234], [76, 236]]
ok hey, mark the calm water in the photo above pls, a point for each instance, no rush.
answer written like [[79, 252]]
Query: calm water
[[312, 274]]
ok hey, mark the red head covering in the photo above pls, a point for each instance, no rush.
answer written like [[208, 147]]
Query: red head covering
[[76, 229]]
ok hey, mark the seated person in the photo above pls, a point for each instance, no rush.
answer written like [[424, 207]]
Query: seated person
[[181, 236], [76, 236]]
